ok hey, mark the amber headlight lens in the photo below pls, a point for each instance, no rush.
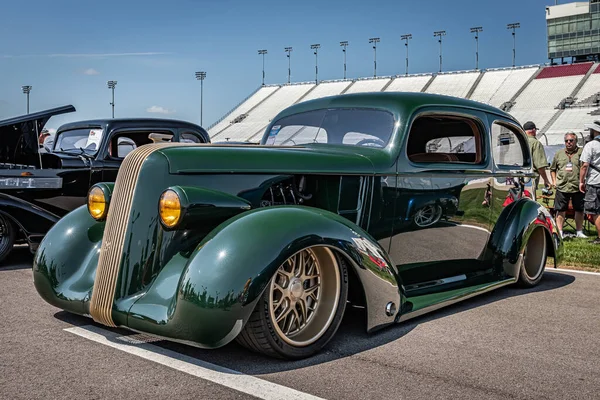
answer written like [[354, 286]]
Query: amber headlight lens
[[169, 208], [97, 203]]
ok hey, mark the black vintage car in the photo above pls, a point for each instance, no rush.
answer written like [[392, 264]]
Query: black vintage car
[[41, 183]]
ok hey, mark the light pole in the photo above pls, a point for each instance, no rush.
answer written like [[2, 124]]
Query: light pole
[[344, 44], [374, 41], [316, 48], [440, 34], [200, 76], [476, 31], [288, 50], [27, 90], [263, 52], [406, 38], [514, 26], [111, 86]]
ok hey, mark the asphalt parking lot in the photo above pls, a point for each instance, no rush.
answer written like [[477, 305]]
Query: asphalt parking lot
[[511, 343]]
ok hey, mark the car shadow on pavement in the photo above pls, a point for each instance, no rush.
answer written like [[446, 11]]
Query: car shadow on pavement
[[350, 339], [19, 258]]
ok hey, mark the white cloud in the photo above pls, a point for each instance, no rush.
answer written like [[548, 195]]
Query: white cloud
[[159, 110], [90, 71]]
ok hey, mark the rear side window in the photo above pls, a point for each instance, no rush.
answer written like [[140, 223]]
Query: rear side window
[[189, 137], [508, 146], [445, 139]]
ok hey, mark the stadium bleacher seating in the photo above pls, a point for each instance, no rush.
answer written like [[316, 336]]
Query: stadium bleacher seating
[[260, 116], [541, 98], [368, 85], [538, 94], [453, 84], [572, 119], [590, 88], [408, 83], [327, 89], [499, 86], [255, 99]]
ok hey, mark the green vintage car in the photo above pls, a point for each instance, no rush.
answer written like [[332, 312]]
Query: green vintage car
[[398, 202]]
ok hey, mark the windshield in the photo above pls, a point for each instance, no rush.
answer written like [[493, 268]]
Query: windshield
[[80, 140], [351, 126]]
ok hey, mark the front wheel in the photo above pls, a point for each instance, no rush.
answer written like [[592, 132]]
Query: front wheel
[[302, 307], [534, 259]]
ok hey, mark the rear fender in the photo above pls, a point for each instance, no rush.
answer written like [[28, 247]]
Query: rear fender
[[510, 236]]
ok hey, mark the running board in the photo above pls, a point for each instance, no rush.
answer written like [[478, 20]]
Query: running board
[[437, 282], [456, 299]]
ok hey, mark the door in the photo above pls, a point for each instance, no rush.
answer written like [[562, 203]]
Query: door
[[442, 223]]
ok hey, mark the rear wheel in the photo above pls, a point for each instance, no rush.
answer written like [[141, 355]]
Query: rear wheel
[[428, 215], [534, 259], [302, 307], [7, 237]]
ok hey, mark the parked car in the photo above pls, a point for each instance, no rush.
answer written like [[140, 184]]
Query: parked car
[[39, 184], [267, 244]]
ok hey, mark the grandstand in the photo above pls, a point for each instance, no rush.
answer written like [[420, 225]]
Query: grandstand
[[498, 86], [557, 98], [414, 83], [455, 84]]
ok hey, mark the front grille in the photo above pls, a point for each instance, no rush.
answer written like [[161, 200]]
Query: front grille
[[113, 241]]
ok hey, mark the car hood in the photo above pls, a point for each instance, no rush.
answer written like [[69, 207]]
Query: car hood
[[278, 159]]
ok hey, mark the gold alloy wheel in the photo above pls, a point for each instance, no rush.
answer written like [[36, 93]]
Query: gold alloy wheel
[[304, 296], [534, 255]]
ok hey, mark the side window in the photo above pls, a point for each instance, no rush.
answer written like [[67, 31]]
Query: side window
[[123, 143], [189, 137], [508, 146], [445, 139]]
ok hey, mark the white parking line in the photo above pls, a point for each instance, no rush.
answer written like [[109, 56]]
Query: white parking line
[[572, 270], [223, 376]]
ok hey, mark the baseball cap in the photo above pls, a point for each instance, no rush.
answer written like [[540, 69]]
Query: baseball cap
[[593, 126], [529, 126]]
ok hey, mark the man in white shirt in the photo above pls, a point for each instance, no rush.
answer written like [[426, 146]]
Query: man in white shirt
[[589, 176]]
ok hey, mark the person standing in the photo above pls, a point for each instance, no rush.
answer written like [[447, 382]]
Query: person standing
[[589, 176], [538, 155], [565, 179]]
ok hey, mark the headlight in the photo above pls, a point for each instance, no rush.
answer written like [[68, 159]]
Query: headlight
[[97, 204], [169, 208]]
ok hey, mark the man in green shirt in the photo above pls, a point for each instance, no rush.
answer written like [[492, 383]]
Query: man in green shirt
[[538, 155], [565, 178]]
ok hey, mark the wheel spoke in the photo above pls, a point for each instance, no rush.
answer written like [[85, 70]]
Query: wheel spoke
[[283, 314], [303, 311]]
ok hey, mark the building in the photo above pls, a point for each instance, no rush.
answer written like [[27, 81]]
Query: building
[[574, 31]]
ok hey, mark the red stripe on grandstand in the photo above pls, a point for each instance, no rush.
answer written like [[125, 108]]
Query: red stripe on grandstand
[[597, 71], [565, 70]]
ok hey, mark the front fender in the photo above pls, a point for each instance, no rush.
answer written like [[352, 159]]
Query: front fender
[[227, 273], [517, 224], [31, 219], [64, 267]]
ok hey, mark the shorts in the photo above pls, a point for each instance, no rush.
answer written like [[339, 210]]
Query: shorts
[[592, 200], [561, 201]]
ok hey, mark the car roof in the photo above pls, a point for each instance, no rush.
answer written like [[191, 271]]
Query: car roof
[[129, 122], [395, 102]]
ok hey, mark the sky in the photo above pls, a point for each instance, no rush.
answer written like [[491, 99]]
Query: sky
[[68, 49]]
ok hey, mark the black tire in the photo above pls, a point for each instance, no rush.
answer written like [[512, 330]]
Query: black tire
[[264, 335], [534, 259], [7, 237]]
